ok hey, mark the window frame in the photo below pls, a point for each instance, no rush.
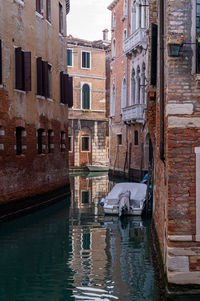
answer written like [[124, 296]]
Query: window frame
[[136, 138], [82, 85], [119, 141], [40, 134], [48, 10], [71, 51], [39, 7], [88, 52], [19, 146], [61, 19], [49, 141]]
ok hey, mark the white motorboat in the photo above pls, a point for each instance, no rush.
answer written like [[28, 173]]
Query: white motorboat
[[125, 199]]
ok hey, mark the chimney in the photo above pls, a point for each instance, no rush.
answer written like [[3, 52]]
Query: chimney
[[105, 34]]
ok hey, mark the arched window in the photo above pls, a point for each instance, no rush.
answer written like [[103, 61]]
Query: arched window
[[123, 94], [114, 48], [132, 94], [112, 105], [86, 97], [138, 86], [143, 100], [133, 17]]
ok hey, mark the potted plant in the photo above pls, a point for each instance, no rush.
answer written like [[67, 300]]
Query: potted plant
[[175, 42], [152, 93]]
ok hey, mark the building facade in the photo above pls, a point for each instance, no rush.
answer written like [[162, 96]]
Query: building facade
[[173, 117], [129, 137], [33, 102], [88, 121]]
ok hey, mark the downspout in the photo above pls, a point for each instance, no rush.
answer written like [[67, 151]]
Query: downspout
[[127, 26]]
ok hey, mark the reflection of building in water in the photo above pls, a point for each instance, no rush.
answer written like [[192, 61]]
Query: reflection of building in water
[[88, 191]]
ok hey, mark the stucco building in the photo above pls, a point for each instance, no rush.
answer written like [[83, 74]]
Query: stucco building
[[33, 100], [173, 117], [88, 118], [129, 137]]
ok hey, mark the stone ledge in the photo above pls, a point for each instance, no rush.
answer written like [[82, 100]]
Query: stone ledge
[[180, 237], [184, 277], [179, 109], [183, 122]]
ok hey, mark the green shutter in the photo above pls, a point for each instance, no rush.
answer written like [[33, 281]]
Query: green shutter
[[86, 97], [88, 60], [154, 42], [69, 57]]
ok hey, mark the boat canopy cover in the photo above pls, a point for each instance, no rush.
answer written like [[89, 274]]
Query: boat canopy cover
[[137, 190]]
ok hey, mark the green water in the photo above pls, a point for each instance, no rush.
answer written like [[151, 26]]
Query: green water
[[71, 251]]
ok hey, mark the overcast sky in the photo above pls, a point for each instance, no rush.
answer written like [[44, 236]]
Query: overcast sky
[[87, 19]]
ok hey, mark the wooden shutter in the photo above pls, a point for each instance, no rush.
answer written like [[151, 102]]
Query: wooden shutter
[[39, 76], [27, 71], [61, 87], [0, 63], [154, 42], [70, 92], [18, 68], [88, 60], [45, 84]]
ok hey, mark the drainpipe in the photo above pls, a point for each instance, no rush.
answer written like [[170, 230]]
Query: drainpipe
[[127, 26]]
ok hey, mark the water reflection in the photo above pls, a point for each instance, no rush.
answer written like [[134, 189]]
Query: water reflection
[[71, 251]]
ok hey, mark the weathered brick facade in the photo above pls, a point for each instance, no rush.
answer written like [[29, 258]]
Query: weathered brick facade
[[23, 171], [88, 117], [174, 124]]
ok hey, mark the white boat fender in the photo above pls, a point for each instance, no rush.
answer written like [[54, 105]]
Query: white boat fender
[[102, 202]]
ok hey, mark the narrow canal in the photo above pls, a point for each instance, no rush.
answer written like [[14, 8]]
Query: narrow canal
[[71, 251]]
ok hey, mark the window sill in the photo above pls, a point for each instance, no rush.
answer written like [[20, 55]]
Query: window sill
[[61, 35], [62, 104], [40, 97], [50, 99], [20, 91], [20, 2], [197, 80], [48, 22], [1, 86], [39, 15], [20, 156]]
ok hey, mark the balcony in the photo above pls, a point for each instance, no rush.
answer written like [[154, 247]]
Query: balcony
[[134, 113], [138, 39]]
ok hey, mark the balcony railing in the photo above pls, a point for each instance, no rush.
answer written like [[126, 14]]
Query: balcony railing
[[137, 39], [134, 113]]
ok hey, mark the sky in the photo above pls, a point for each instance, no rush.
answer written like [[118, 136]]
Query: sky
[[88, 18]]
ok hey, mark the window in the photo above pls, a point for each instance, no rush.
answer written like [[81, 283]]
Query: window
[[132, 87], [0, 63], [22, 70], [198, 36], [114, 20], [86, 97], [113, 48], [62, 141], [119, 139], [138, 86], [44, 78], [124, 35], [154, 38], [125, 8], [39, 6], [133, 17], [19, 131], [136, 140], [70, 140], [50, 134], [112, 105], [40, 133], [85, 62], [66, 89], [123, 94], [69, 57], [61, 18], [85, 197], [48, 10], [85, 143]]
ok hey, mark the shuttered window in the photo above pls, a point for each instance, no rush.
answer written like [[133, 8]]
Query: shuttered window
[[85, 59], [154, 41], [22, 70], [86, 97], [66, 89], [44, 78], [50, 134], [0, 62], [136, 139]]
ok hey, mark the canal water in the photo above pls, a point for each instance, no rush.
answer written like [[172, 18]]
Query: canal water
[[71, 251]]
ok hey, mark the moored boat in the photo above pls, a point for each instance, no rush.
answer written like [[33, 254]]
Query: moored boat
[[125, 199]]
